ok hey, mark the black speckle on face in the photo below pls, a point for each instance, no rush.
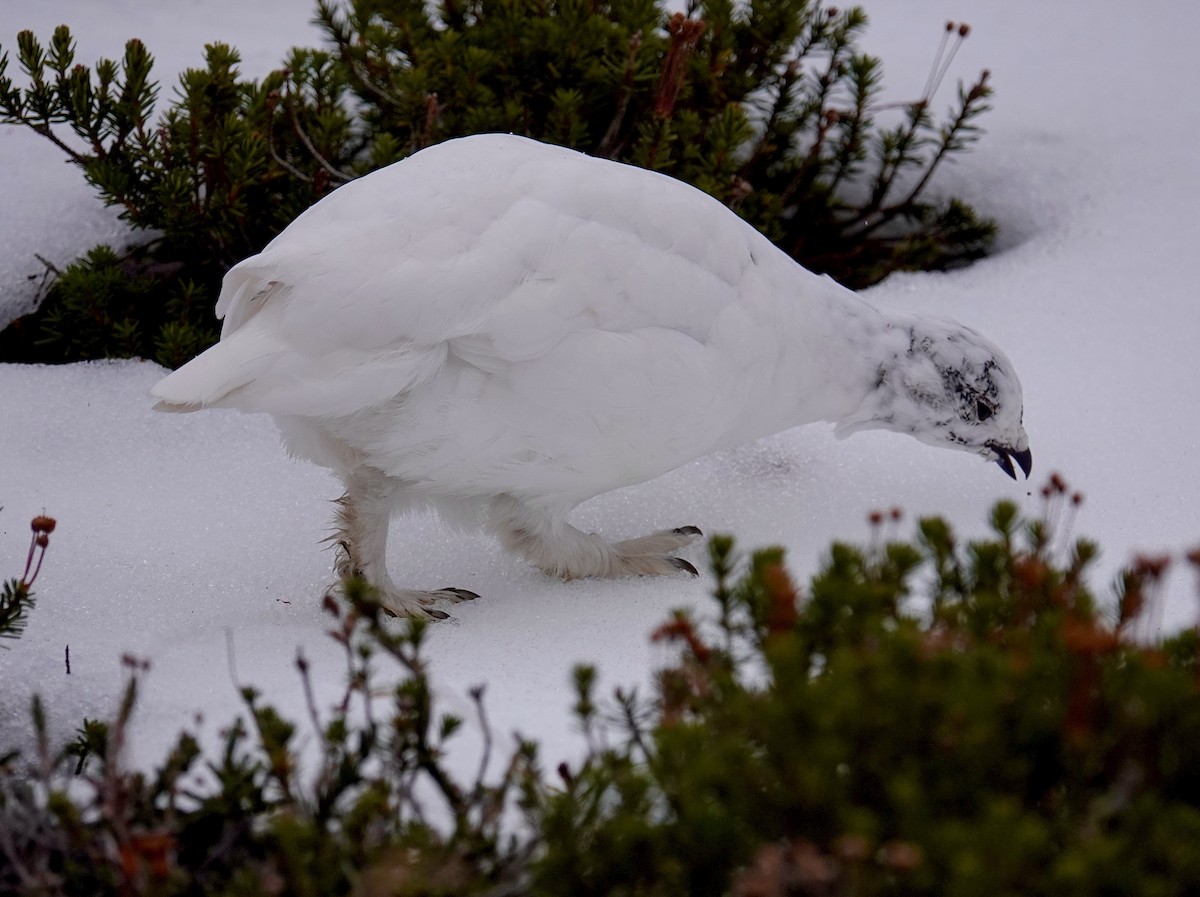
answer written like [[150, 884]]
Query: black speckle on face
[[975, 396]]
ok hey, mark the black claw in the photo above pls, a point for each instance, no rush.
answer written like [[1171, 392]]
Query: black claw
[[436, 614], [688, 531], [681, 564], [463, 594]]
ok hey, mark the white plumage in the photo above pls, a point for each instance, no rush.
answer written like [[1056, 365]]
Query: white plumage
[[503, 329]]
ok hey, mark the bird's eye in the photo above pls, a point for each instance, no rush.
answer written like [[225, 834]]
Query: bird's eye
[[983, 410]]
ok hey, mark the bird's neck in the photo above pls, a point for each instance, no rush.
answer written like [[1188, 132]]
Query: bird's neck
[[833, 349]]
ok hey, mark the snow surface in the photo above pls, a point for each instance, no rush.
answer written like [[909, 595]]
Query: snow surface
[[181, 534]]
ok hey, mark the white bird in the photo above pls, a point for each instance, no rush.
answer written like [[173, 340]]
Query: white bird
[[502, 329]]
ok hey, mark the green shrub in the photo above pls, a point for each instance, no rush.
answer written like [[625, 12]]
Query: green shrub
[[990, 731], [111, 306], [203, 182], [769, 107], [925, 718], [251, 820]]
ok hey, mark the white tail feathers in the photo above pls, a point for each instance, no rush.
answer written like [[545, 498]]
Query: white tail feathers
[[244, 292], [218, 376]]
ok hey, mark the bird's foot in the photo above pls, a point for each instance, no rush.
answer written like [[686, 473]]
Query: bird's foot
[[559, 549], [402, 602], [653, 555], [359, 541], [417, 603]]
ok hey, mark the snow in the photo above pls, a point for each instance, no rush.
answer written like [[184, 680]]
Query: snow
[[182, 535]]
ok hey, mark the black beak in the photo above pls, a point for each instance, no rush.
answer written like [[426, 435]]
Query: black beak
[[1005, 457]]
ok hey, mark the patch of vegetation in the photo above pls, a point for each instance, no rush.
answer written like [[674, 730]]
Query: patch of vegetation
[[924, 718], [16, 595], [770, 107]]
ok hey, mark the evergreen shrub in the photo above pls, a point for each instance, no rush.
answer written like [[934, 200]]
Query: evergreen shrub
[[769, 106], [925, 717]]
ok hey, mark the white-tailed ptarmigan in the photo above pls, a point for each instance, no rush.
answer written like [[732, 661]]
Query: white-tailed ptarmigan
[[501, 329]]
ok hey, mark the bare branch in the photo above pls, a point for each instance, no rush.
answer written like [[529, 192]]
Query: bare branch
[[341, 176]]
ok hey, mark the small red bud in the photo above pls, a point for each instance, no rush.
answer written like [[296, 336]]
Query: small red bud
[[964, 29], [902, 856], [853, 848], [43, 524]]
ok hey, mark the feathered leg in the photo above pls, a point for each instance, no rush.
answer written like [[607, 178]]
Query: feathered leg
[[559, 549], [360, 540]]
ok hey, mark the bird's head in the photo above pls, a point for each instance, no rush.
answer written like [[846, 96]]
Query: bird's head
[[947, 385]]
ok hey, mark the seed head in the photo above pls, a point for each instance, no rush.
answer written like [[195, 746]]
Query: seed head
[[1151, 566], [43, 524]]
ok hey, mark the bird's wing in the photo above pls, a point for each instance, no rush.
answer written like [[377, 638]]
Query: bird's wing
[[352, 304], [495, 248]]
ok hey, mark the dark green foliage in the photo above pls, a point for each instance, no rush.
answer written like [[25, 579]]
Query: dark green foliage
[[110, 306], [375, 811], [769, 107], [211, 180], [989, 733], [16, 601], [925, 718]]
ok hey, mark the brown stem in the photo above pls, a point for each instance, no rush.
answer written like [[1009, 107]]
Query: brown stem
[[273, 153], [609, 145], [684, 35], [340, 176], [45, 131], [947, 141]]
